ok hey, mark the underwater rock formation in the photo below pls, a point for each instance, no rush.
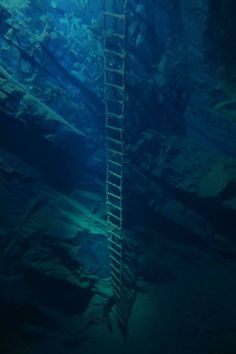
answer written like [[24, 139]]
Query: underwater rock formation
[[180, 178]]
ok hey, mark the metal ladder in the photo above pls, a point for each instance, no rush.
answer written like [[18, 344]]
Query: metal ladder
[[114, 14]]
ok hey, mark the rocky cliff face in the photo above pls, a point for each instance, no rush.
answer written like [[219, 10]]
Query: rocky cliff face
[[180, 189]]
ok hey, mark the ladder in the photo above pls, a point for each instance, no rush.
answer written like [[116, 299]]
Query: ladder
[[114, 15]]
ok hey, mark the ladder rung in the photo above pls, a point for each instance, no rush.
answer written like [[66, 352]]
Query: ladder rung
[[111, 214], [115, 251], [115, 199], [108, 126], [116, 171], [119, 299], [115, 260], [114, 70], [114, 206], [114, 234], [126, 292], [108, 110], [114, 196], [110, 170], [119, 54], [115, 163], [114, 216], [129, 290], [114, 151], [112, 14], [113, 185], [126, 297], [114, 174], [118, 165], [115, 243], [114, 220], [109, 200], [120, 102], [121, 304], [116, 288], [116, 283], [115, 140], [124, 304], [114, 268], [114, 225], [124, 310], [116, 271], [121, 87], [121, 319], [117, 232], [114, 34], [115, 124], [114, 167], [117, 219], [117, 180], [118, 116], [122, 313], [116, 291]]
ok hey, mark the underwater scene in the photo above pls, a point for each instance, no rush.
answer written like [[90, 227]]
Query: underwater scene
[[117, 177]]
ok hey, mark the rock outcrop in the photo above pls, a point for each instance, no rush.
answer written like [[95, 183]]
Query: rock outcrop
[[180, 177]]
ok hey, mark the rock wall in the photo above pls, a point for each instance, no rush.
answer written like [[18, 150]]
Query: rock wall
[[180, 185]]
